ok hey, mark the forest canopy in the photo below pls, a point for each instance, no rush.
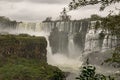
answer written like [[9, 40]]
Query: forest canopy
[[74, 4]]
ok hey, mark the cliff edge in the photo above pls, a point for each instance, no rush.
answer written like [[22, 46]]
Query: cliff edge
[[23, 57]]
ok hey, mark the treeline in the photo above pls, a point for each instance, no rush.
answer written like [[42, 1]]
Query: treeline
[[110, 23], [6, 22]]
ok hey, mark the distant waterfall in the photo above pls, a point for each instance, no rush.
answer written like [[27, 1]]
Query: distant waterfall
[[92, 42], [35, 27], [109, 42], [70, 43], [77, 36], [74, 50]]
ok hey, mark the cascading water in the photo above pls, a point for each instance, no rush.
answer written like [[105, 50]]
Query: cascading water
[[65, 62], [87, 41], [91, 41]]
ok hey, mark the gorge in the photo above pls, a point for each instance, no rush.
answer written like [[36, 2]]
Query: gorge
[[71, 43]]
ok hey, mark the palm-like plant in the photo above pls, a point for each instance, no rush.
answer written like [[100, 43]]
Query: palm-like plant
[[88, 73]]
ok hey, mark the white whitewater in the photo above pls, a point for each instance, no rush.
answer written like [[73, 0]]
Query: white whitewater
[[92, 41], [75, 58], [70, 63], [65, 63]]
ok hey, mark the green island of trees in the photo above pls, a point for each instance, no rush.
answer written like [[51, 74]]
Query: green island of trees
[[23, 57]]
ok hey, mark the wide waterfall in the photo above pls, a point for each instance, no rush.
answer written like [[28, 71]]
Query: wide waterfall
[[71, 43], [82, 34]]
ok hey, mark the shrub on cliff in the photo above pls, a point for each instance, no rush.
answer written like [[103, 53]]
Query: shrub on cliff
[[23, 57], [24, 35], [28, 69], [115, 58], [88, 73]]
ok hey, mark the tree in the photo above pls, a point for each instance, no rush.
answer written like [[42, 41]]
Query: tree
[[48, 19], [80, 3], [111, 23], [95, 17], [88, 73]]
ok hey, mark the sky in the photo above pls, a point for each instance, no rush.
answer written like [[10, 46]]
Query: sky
[[38, 10]]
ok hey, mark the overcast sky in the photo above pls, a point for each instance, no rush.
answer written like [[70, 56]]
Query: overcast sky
[[38, 10]]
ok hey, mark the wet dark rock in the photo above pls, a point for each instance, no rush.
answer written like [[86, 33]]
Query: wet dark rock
[[58, 41], [101, 38], [79, 40]]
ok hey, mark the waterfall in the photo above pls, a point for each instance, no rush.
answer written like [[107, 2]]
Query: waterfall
[[26, 26], [109, 42], [74, 51], [64, 62], [92, 42], [78, 37]]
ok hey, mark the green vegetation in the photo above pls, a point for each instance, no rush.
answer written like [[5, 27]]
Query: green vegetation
[[88, 73], [115, 57], [6, 22], [23, 57], [111, 23], [74, 4], [13, 68], [95, 17], [23, 45]]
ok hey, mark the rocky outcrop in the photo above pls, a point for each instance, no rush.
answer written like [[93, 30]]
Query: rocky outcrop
[[23, 57], [58, 41]]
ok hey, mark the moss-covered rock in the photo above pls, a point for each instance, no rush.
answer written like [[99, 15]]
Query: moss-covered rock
[[23, 46]]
